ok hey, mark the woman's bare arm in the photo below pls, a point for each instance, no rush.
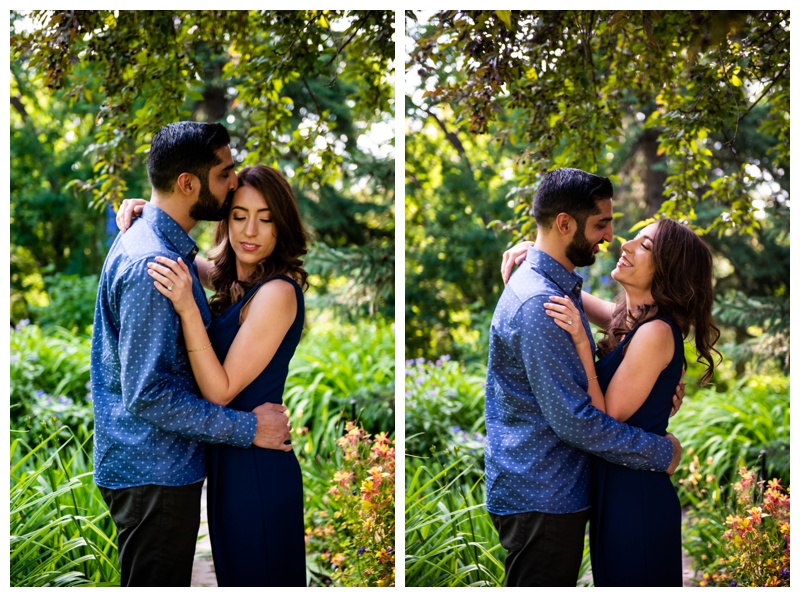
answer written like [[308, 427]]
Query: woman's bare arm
[[648, 353], [597, 310], [270, 314], [203, 267]]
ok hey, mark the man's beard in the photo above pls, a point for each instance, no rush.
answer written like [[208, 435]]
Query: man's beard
[[579, 250], [207, 206]]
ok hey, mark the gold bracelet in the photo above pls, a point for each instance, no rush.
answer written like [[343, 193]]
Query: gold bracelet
[[198, 349], [591, 378]]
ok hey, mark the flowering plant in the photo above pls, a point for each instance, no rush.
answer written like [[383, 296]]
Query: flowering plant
[[354, 534], [441, 396], [758, 534], [749, 546]]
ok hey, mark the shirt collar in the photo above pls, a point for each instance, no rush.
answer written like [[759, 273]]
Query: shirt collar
[[183, 243], [569, 282]]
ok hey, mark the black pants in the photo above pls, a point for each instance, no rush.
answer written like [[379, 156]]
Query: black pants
[[544, 550], [157, 533]]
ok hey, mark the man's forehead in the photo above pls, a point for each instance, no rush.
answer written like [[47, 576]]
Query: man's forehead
[[224, 154], [604, 205]]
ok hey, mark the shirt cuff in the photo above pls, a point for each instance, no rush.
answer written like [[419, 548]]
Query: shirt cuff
[[244, 430], [664, 454]]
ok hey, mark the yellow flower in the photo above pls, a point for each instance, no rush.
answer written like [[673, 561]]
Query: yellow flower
[[367, 486]]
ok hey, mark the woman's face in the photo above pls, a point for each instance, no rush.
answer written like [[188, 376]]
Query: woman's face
[[251, 231], [635, 268]]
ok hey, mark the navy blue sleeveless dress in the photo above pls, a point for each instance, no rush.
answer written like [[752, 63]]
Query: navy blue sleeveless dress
[[635, 524], [255, 496]]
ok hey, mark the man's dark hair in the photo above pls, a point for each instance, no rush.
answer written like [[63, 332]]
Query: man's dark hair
[[184, 147], [570, 191]]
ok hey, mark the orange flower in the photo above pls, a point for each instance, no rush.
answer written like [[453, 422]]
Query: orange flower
[[343, 478]]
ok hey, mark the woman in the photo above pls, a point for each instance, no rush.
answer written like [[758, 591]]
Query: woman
[[666, 276], [255, 496]]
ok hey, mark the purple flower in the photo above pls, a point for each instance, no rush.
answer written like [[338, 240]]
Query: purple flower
[[361, 550], [22, 324], [734, 583]]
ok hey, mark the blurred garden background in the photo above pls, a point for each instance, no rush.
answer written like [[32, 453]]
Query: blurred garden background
[[688, 114], [309, 92]]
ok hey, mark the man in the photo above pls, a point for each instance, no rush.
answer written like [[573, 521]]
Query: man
[[150, 424], [540, 424]]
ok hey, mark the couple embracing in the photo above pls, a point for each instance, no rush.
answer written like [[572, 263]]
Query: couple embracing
[[186, 388], [571, 439]]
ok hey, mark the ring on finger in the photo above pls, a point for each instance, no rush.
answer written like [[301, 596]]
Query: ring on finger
[[170, 287], [569, 322]]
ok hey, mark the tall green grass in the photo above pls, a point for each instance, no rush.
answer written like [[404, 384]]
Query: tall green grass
[[450, 540], [61, 533]]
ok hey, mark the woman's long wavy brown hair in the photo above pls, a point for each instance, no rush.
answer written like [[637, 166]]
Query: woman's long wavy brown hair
[[290, 245], [682, 291]]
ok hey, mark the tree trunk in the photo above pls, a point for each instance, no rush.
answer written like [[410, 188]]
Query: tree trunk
[[655, 174]]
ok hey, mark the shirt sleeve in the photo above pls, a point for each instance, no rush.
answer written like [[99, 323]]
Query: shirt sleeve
[[155, 386], [557, 378]]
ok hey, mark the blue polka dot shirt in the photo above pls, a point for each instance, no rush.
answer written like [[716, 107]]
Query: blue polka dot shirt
[[149, 419], [540, 424]]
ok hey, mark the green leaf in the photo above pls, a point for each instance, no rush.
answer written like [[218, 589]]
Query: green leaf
[[505, 16]]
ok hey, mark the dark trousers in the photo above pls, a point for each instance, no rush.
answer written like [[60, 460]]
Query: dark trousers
[[156, 533], [544, 550]]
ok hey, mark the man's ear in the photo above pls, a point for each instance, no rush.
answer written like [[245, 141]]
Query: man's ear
[[188, 183], [564, 223]]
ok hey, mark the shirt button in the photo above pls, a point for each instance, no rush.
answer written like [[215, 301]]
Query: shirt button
[[652, 470]]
